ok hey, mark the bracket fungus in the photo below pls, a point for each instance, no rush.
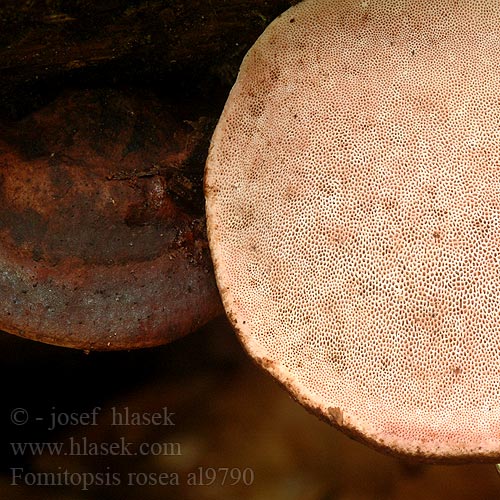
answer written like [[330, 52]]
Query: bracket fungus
[[353, 208], [96, 251]]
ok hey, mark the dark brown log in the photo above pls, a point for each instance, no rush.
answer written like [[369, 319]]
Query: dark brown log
[[126, 40]]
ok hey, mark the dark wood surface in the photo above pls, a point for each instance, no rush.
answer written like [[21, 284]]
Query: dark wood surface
[[46, 45]]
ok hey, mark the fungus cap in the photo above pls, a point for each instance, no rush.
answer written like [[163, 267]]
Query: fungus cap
[[353, 203]]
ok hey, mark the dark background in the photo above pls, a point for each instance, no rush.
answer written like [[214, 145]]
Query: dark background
[[228, 413]]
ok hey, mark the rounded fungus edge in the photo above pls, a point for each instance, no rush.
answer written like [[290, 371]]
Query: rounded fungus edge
[[353, 208]]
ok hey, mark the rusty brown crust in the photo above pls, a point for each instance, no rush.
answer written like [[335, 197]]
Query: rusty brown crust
[[102, 239]]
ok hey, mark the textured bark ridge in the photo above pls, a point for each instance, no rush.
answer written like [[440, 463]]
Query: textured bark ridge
[[44, 45]]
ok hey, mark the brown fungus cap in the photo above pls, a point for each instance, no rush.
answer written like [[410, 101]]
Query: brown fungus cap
[[353, 198], [97, 250]]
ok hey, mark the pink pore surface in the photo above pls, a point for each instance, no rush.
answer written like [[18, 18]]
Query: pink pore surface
[[353, 200]]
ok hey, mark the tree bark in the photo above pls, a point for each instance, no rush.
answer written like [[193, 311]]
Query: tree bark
[[126, 40]]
